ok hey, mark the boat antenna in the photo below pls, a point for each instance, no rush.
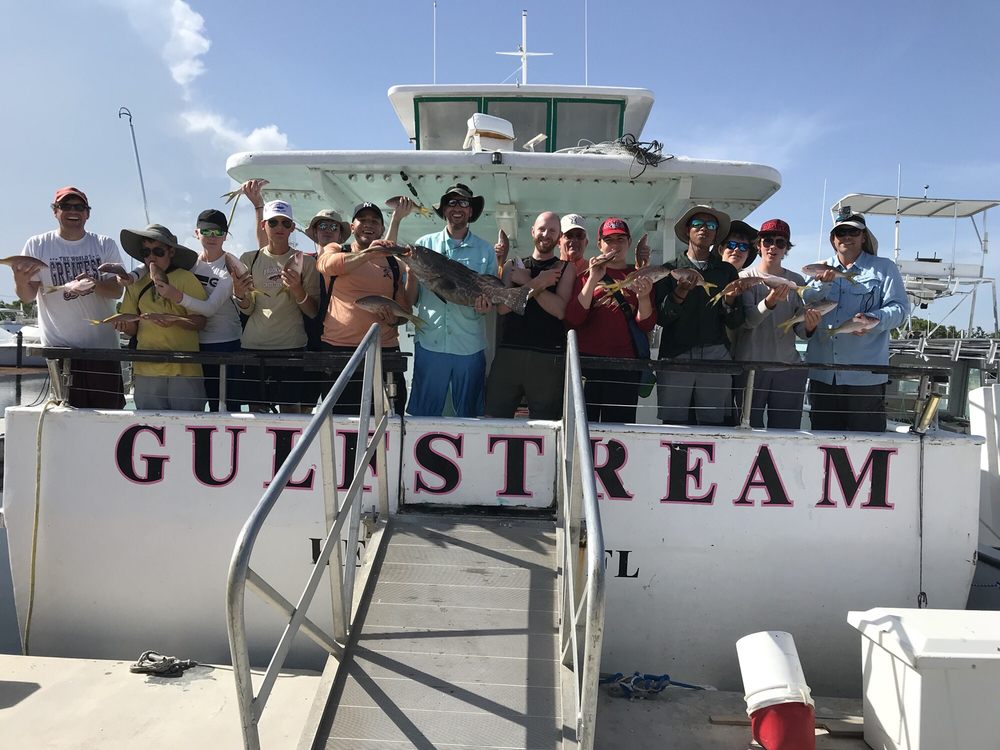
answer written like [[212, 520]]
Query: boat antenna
[[899, 177], [124, 112], [586, 45], [434, 47], [822, 221], [522, 49]]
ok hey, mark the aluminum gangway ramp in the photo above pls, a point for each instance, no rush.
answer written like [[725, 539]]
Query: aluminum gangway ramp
[[457, 644]]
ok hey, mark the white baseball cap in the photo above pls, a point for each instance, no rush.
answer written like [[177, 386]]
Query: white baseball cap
[[277, 208], [572, 221]]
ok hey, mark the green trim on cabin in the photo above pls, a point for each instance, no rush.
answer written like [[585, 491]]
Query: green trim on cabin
[[418, 100], [549, 112], [551, 125]]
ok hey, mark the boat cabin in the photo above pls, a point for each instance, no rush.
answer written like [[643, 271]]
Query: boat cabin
[[435, 117]]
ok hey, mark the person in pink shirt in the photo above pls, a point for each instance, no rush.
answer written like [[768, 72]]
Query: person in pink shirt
[[353, 275]]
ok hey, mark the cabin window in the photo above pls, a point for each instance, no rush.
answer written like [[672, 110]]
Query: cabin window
[[528, 116], [442, 124], [586, 121]]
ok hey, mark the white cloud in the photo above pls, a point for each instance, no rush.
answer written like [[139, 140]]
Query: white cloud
[[186, 44], [186, 40], [229, 138]]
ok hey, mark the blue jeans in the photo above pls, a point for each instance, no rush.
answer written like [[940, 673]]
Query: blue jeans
[[434, 373]]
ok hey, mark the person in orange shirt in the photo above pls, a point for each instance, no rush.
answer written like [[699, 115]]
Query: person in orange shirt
[[353, 275]]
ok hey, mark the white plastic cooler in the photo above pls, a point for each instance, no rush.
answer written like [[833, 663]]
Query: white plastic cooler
[[931, 678]]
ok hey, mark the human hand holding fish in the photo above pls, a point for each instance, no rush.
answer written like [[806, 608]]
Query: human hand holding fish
[[79, 286], [501, 248], [388, 311], [166, 290], [642, 252], [24, 264], [813, 313], [482, 304], [125, 277], [859, 325], [826, 273]]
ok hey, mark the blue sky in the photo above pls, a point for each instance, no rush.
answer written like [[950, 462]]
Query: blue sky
[[837, 92]]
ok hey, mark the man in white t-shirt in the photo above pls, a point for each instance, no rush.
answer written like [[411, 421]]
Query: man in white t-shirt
[[71, 252]]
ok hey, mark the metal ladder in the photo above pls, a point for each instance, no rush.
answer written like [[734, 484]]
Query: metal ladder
[[464, 631]]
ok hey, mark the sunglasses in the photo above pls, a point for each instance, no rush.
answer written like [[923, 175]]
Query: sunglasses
[[743, 247], [159, 252], [846, 232], [710, 224], [328, 226], [779, 242], [287, 224], [80, 207], [212, 232], [460, 202]]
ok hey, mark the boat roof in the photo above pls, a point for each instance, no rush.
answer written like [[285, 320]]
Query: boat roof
[[638, 102], [885, 205]]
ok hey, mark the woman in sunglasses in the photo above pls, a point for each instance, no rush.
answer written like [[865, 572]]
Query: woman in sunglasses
[[763, 339], [284, 289], [170, 327]]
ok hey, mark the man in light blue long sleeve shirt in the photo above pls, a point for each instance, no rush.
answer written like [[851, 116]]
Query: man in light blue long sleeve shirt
[[449, 352], [845, 400]]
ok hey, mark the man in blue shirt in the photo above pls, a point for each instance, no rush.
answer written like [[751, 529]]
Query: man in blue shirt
[[449, 350], [874, 298]]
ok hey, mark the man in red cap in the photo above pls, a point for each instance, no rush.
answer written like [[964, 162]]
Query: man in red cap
[[71, 252]]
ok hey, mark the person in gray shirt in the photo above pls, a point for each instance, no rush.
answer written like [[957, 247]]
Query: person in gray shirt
[[764, 338]]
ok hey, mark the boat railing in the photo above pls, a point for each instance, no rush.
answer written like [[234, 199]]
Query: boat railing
[[318, 367], [582, 589], [339, 514]]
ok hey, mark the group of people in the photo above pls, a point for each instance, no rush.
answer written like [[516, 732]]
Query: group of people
[[711, 304]]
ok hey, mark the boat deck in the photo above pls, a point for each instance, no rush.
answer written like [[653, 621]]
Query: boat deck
[[53, 703], [459, 646]]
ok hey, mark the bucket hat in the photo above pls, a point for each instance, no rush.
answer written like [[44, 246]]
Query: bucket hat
[[131, 239], [681, 227], [331, 216], [463, 191]]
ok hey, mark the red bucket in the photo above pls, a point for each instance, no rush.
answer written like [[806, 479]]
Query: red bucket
[[785, 726]]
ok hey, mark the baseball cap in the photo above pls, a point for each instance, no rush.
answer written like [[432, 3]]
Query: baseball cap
[[572, 221], [69, 190], [613, 225], [776, 226], [212, 218], [277, 208], [367, 205], [846, 218]]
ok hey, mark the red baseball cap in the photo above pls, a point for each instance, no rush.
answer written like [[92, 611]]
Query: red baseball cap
[[70, 190], [776, 226], [613, 225]]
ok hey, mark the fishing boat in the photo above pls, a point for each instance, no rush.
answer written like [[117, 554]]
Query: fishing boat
[[482, 572]]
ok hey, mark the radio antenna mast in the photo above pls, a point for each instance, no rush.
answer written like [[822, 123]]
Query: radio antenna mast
[[522, 50]]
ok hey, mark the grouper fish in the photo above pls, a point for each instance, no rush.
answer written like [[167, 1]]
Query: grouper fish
[[453, 282]]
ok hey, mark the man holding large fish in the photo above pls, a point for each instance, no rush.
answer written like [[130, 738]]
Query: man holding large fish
[[871, 301], [66, 260], [449, 352], [693, 327]]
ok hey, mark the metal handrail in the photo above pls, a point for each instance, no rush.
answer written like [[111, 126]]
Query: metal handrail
[[241, 575], [582, 591]]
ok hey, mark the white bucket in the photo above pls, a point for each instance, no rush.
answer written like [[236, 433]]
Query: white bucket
[[771, 670]]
